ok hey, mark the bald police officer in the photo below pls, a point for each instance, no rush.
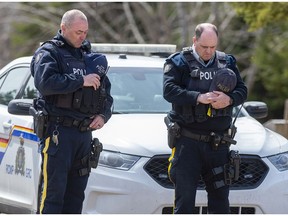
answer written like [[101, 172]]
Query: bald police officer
[[201, 147], [75, 95]]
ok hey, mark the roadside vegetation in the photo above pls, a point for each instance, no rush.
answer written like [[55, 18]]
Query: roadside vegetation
[[255, 32]]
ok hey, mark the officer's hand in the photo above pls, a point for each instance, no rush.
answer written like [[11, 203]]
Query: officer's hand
[[92, 80], [207, 98], [221, 101], [97, 123]]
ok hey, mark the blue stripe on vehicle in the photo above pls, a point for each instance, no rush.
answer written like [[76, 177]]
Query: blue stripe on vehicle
[[25, 135]]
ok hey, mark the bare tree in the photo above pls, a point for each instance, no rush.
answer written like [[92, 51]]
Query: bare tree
[[6, 21], [124, 22]]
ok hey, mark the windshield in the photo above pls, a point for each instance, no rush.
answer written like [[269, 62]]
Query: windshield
[[138, 90]]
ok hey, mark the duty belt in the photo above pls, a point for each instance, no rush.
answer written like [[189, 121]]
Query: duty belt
[[213, 138], [194, 136], [82, 125]]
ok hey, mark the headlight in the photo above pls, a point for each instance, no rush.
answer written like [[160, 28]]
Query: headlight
[[117, 160], [280, 161]]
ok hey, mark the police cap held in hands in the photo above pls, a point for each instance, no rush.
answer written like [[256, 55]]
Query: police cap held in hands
[[224, 80], [96, 63]]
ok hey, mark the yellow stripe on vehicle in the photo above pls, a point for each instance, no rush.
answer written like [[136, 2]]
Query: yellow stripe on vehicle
[[3, 143]]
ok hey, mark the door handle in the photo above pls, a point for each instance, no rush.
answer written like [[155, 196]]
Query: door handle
[[7, 125]]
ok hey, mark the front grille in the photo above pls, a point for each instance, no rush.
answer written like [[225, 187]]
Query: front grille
[[252, 172], [203, 210]]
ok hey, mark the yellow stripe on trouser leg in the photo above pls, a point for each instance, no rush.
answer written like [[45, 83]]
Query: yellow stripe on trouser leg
[[44, 173], [170, 165], [170, 158]]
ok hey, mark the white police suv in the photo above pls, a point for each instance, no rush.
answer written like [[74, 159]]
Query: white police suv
[[132, 173]]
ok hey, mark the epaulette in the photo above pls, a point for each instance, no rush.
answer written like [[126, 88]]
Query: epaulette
[[57, 43], [231, 60], [187, 49], [173, 55]]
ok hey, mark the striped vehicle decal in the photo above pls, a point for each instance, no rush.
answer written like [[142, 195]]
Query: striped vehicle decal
[[3, 147], [17, 131], [26, 133]]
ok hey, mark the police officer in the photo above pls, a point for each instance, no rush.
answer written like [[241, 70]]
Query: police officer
[[76, 101], [200, 149]]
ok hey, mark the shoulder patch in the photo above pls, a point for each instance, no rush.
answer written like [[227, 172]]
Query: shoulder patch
[[167, 67]]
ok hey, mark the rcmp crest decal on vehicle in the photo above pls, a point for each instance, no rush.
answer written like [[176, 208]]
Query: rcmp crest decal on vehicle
[[18, 137], [20, 158]]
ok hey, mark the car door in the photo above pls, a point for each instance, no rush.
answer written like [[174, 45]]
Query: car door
[[11, 82], [19, 158]]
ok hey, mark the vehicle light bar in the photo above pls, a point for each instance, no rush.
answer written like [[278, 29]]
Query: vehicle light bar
[[133, 48]]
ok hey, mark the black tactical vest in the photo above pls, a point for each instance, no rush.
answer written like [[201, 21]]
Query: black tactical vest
[[199, 78], [85, 100]]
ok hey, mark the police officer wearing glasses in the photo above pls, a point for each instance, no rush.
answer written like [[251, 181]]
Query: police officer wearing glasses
[[200, 127], [74, 100]]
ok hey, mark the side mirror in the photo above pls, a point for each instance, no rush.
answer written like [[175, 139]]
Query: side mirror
[[20, 106], [256, 109]]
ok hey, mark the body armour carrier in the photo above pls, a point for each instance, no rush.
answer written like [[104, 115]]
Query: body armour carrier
[[85, 100], [199, 78]]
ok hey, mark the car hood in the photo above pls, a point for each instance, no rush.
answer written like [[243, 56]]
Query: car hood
[[137, 134], [253, 138], [146, 135]]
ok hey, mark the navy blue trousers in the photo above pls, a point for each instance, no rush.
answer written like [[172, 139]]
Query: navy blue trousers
[[189, 160], [62, 189]]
